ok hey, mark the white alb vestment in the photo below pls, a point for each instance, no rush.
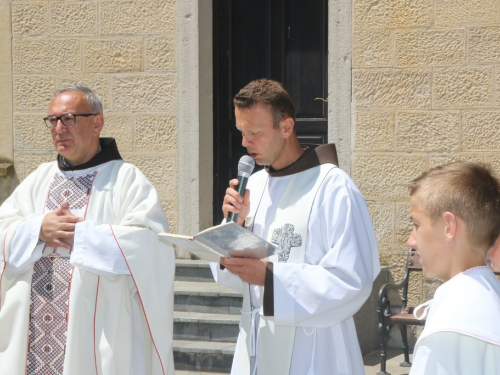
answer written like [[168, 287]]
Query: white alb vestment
[[462, 330], [314, 299], [119, 308]]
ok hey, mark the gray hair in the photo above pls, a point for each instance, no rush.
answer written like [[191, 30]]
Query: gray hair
[[91, 96]]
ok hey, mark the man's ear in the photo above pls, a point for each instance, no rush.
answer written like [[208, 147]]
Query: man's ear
[[493, 256], [287, 126], [494, 251], [450, 227], [98, 124]]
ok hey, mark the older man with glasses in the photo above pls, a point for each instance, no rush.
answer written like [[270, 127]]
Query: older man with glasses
[[86, 285]]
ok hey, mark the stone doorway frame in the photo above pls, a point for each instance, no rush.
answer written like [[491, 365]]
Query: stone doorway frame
[[195, 103]]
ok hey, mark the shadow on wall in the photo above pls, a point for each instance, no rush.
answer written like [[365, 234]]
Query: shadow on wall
[[8, 179], [366, 319]]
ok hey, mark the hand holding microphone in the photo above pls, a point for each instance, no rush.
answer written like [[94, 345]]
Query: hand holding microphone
[[233, 199]]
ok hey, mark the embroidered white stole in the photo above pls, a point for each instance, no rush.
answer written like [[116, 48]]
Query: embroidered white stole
[[51, 282], [273, 343]]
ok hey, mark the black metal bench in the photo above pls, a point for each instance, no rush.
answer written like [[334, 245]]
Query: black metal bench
[[402, 318]]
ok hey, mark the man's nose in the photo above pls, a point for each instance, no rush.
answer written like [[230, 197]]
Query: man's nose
[[60, 126], [411, 240]]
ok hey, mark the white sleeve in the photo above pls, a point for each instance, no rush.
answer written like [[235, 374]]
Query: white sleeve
[[341, 262], [433, 356], [95, 250], [450, 353], [20, 224], [25, 248], [150, 260], [226, 278]]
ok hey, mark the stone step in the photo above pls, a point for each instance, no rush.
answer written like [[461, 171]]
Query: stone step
[[205, 326], [193, 270], [206, 321], [198, 373], [203, 356], [206, 297]]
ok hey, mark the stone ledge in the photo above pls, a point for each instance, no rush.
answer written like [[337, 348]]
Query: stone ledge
[[6, 169]]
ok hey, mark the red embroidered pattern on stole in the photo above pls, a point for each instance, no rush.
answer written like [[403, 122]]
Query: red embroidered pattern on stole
[[50, 288], [49, 305], [74, 191]]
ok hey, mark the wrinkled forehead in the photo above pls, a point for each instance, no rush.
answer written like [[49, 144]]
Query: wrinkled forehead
[[69, 101]]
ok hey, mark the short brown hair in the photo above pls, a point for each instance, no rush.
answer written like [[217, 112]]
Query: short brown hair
[[470, 191], [268, 92]]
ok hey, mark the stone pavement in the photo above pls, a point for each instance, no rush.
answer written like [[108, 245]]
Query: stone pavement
[[372, 364], [394, 358]]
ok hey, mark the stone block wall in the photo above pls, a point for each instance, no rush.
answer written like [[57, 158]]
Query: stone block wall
[[425, 91], [123, 49]]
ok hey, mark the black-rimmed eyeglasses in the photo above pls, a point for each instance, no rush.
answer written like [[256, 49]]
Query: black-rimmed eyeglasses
[[68, 119]]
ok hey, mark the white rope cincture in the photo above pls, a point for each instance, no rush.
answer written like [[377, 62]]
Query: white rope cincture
[[313, 332], [254, 337], [426, 306]]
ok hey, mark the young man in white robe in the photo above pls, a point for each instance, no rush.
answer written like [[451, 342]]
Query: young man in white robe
[[298, 306], [455, 209], [86, 285]]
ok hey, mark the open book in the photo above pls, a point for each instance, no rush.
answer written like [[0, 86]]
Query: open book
[[225, 240]]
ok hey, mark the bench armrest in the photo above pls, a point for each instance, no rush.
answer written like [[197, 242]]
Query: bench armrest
[[384, 304]]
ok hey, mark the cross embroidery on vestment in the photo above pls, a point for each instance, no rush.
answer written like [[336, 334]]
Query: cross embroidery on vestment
[[286, 239]]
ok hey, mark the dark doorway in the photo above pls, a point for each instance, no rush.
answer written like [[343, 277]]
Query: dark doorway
[[285, 40]]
